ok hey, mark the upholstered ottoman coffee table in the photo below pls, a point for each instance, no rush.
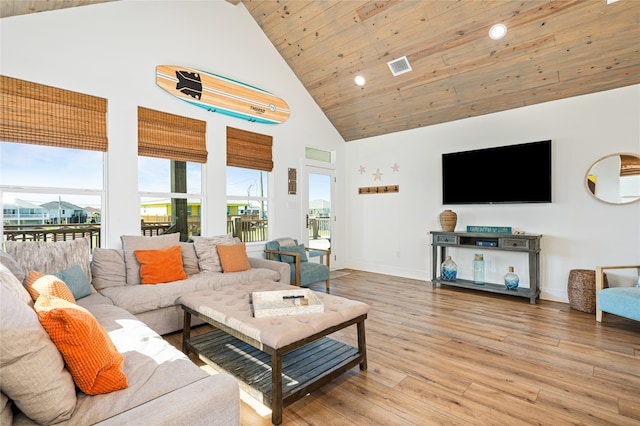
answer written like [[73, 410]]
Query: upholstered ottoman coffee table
[[277, 359]]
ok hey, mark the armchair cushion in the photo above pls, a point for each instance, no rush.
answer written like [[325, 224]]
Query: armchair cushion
[[310, 273], [622, 301], [299, 249]]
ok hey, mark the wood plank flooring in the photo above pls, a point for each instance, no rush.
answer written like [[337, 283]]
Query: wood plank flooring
[[458, 357]]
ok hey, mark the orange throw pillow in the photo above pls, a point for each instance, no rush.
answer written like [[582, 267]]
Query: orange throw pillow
[[160, 266], [91, 357], [38, 284], [234, 258]]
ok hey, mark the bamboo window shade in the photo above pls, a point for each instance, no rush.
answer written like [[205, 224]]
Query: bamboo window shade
[[42, 115], [170, 136], [249, 150]]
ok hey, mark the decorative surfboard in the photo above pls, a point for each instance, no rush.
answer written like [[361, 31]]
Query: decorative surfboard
[[221, 94]]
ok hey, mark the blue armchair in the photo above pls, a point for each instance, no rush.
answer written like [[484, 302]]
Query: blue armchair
[[621, 301], [296, 255]]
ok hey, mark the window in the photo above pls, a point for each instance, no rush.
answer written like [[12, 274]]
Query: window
[[171, 149], [50, 193], [318, 154], [166, 207], [249, 162], [51, 162], [247, 204]]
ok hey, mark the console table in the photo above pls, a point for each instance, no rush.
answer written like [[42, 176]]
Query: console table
[[526, 243]]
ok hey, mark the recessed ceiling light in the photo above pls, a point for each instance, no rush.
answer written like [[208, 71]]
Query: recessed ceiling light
[[498, 31], [359, 80]]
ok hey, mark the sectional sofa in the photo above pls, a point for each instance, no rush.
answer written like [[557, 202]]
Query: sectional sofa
[[163, 385]]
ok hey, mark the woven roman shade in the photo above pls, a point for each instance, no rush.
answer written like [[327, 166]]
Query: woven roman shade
[[43, 115], [249, 150], [170, 136]]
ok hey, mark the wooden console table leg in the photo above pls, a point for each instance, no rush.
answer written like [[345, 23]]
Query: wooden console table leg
[[186, 332], [276, 388], [362, 345]]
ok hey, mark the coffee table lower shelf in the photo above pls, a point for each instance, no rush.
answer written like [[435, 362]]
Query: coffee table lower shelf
[[303, 370]]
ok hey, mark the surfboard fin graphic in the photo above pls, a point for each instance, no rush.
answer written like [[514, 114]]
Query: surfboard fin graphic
[[189, 83]]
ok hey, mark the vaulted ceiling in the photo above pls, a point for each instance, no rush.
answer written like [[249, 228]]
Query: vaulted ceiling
[[552, 50]]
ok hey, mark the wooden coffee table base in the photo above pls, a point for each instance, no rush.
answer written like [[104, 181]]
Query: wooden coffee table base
[[276, 377]]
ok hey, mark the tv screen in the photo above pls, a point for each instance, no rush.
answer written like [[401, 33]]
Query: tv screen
[[507, 174]]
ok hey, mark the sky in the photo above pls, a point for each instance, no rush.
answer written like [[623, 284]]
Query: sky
[[43, 166]]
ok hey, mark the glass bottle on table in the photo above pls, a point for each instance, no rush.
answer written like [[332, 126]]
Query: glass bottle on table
[[478, 269]]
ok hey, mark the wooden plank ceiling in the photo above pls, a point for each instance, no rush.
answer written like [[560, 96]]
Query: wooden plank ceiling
[[552, 50]]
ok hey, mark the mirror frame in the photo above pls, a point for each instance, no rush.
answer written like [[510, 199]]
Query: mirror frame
[[586, 178]]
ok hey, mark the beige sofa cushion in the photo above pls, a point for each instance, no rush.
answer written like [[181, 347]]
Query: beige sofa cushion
[[108, 268], [49, 258], [153, 368], [206, 249], [32, 369], [11, 264], [6, 413], [189, 258], [144, 298], [137, 242], [12, 284]]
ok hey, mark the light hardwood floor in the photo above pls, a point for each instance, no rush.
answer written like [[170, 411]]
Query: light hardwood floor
[[459, 357]]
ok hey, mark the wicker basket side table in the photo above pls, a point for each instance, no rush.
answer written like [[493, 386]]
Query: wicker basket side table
[[581, 290]]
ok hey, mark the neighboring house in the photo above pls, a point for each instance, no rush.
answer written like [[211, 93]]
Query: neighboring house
[[61, 212], [94, 214], [21, 212], [160, 210]]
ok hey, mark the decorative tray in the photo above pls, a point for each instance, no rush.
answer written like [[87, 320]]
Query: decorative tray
[[285, 302]]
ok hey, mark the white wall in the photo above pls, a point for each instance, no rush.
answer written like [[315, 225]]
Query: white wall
[[390, 233], [111, 50]]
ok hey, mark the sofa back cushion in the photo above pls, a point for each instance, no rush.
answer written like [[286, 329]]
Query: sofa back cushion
[[189, 258], [108, 268], [130, 243], [6, 412], [13, 266], [11, 283], [52, 257], [31, 367]]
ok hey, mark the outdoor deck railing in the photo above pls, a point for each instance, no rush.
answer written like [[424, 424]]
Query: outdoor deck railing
[[246, 230], [53, 233], [319, 227]]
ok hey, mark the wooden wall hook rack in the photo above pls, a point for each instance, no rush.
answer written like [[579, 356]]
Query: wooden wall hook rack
[[379, 189]]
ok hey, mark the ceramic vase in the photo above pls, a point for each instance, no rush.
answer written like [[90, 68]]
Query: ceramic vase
[[511, 279], [448, 220], [449, 269]]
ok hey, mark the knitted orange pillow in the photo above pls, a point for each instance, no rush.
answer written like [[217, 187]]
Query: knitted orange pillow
[[38, 284], [160, 266], [91, 357], [234, 258]]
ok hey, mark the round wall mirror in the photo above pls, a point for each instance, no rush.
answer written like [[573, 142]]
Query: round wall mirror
[[615, 179]]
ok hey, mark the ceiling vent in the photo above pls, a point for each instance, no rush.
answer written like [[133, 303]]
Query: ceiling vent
[[399, 66]]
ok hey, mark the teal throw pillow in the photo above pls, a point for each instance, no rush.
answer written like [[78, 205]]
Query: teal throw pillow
[[294, 249], [75, 279]]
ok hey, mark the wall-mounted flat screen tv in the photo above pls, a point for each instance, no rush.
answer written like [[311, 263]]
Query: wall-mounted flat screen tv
[[506, 174]]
